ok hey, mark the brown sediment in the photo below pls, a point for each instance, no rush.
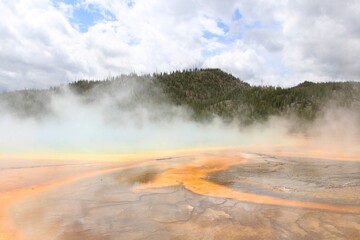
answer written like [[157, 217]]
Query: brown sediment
[[193, 177], [9, 232], [309, 152], [310, 148], [40, 179]]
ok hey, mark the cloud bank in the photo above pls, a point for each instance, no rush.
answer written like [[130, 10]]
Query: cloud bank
[[45, 43]]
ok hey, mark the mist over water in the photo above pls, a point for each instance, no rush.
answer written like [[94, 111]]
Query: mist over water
[[131, 116], [114, 123]]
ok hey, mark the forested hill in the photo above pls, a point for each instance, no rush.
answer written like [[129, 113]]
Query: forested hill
[[206, 92]]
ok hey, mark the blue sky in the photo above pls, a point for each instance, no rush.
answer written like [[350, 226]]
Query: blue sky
[[283, 43], [84, 16]]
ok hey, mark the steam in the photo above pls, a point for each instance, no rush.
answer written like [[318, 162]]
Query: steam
[[125, 117], [337, 130], [131, 116]]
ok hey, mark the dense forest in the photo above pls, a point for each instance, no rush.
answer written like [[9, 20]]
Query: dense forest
[[204, 92]]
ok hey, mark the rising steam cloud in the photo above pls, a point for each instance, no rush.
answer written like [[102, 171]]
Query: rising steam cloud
[[131, 115]]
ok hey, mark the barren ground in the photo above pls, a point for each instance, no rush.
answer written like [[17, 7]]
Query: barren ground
[[212, 194]]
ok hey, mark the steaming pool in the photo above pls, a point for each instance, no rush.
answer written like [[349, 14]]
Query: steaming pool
[[202, 194]]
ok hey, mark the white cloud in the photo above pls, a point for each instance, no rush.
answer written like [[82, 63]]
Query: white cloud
[[322, 38], [211, 26], [240, 61], [277, 42]]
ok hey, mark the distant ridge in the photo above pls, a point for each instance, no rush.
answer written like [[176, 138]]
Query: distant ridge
[[206, 92]]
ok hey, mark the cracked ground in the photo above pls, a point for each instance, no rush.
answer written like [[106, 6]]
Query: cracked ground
[[214, 195]]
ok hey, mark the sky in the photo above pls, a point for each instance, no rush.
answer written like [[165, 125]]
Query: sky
[[275, 42]]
